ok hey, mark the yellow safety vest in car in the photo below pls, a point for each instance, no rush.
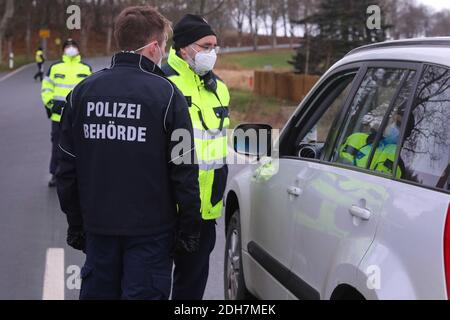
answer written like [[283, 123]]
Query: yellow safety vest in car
[[210, 119], [382, 161], [356, 151], [352, 146], [39, 56], [61, 78]]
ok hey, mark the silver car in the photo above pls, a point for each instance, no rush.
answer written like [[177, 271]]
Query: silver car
[[351, 201]]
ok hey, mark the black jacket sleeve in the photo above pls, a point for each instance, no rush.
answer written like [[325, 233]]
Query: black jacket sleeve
[[66, 177], [183, 165]]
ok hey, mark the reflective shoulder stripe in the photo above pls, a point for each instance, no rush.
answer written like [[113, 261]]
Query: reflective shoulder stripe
[[46, 90], [59, 98], [47, 78], [212, 165], [65, 86]]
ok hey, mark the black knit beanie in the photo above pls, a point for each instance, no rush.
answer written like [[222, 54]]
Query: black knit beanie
[[190, 29], [69, 42]]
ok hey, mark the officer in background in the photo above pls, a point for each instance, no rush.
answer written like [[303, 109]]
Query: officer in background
[[190, 65], [40, 60], [61, 78], [120, 177]]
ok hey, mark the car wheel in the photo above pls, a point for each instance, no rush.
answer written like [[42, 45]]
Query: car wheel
[[234, 283]]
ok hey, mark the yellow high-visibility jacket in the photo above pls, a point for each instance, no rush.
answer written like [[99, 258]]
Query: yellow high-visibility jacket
[[39, 56], [210, 120], [61, 78]]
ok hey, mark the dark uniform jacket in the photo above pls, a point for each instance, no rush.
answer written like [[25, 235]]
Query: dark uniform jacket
[[116, 175]]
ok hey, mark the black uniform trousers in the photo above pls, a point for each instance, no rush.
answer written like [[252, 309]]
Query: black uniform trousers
[[127, 268], [192, 270], [55, 133], [40, 73]]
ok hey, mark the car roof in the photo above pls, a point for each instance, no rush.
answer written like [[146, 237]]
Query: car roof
[[430, 50]]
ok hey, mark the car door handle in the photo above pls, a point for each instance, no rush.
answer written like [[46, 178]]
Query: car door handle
[[294, 191], [359, 212]]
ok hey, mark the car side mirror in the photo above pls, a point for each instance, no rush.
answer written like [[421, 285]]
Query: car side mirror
[[253, 139]]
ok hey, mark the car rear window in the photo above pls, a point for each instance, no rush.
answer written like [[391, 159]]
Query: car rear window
[[425, 152]]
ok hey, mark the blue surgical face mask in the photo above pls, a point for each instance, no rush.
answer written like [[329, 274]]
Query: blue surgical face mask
[[391, 134]]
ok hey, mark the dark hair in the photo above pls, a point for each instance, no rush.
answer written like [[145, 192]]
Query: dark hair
[[135, 26]]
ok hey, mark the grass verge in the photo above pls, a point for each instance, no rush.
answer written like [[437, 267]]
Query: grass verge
[[245, 106], [18, 62], [277, 59]]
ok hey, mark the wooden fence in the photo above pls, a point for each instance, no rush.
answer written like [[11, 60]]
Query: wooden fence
[[283, 85]]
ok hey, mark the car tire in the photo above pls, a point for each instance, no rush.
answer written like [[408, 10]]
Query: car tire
[[234, 284]]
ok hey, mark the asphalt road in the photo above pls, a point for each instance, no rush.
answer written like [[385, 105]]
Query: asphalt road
[[35, 262]]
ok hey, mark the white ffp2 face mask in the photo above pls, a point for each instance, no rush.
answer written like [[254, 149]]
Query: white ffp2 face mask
[[203, 62], [71, 51]]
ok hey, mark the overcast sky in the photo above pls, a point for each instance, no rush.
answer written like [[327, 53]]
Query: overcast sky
[[436, 4]]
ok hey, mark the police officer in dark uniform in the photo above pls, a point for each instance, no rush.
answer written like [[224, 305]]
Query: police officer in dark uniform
[[130, 202]]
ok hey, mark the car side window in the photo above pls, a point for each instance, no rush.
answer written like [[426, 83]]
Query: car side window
[[426, 148], [370, 132], [309, 135]]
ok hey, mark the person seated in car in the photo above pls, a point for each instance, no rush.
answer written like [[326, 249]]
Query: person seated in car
[[358, 146]]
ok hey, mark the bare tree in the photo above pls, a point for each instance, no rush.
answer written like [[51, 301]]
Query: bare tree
[[412, 20], [440, 24], [254, 13], [294, 13], [276, 10], [303, 11], [111, 8], [238, 14], [284, 16], [269, 14], [214, 9], [7, 15]]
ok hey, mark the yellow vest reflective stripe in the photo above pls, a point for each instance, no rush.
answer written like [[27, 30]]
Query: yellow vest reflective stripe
[[62, 77], [384, 162], [210, 119]]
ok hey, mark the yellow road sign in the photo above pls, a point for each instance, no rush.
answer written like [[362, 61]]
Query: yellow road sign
[[44, 33]]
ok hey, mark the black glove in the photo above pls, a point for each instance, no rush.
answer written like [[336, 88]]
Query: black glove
[[186, 243], [58, 106], [76, 238]]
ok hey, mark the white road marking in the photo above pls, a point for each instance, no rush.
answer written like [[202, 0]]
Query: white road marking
[[13, 73], [54, 280]]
